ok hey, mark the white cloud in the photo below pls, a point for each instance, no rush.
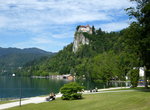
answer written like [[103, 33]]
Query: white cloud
[[52, 21], [3, 21], [33, 13], [64, 35], [114, 26], [46, 40], [45, 43]]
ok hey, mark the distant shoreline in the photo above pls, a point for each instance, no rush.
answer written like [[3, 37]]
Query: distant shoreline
[[68, 76]]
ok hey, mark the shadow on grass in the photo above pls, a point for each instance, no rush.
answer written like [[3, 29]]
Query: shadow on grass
[[142, 89]]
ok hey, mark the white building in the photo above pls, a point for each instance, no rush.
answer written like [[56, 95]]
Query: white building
[[87, 29], [141, 71]]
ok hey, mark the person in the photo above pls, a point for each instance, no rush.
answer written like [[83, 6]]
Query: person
[[90, 90], [96, 90], [52, 96]]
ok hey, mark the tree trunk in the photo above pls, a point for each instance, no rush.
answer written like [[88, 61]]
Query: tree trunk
[[145, 78]]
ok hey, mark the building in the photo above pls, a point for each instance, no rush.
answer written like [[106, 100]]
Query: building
[[141, 71], [68, 76], [87, 29]]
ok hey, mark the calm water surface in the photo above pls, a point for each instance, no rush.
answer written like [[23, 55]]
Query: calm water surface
[[11, 87]]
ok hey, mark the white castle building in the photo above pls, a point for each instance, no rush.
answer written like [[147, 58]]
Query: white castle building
[[87, 29]]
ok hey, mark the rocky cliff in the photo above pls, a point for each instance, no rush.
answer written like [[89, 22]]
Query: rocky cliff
[[79, 39]]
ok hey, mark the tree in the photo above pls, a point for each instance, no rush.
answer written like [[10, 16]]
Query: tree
[[99, 32], [142, 14], [77, 27], [93, 30], [134, 77], [106, 67], [70, 91]]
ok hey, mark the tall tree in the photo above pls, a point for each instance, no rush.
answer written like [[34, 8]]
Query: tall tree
[[142, 14], [93, 30]]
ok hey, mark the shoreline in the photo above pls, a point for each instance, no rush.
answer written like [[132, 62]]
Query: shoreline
[[42, 99]]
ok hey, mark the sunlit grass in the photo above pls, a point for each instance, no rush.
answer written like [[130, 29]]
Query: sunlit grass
[[136, 100]]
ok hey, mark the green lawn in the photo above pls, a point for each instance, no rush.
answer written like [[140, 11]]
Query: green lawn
[[3, 102], [8, 101], [136, 88], [135, 100]]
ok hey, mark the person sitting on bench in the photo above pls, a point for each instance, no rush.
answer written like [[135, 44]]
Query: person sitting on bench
[[51, 97]]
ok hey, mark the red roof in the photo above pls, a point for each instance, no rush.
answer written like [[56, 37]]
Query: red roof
[[85, 26]]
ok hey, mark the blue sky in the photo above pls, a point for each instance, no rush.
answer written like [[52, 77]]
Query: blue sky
[[50, 24]]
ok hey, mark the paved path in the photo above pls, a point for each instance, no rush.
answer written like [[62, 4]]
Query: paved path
[[34, 100], [37, 100]]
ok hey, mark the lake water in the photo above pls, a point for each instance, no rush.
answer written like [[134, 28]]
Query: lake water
[[12, 87]]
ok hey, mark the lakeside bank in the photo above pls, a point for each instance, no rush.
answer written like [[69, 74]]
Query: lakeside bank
[[41, 99]]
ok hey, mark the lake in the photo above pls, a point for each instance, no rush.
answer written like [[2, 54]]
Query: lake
[[11, 87]]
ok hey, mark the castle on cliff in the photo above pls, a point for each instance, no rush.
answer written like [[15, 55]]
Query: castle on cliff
[[79, 38]]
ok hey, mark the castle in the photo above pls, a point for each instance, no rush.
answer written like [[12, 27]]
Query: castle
[[79, 38], [87, 29]]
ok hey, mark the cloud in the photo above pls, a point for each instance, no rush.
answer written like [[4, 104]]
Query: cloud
[[45, 43], [114, 26], [3, 21], [33, 13], [54, 21], [46, 40]]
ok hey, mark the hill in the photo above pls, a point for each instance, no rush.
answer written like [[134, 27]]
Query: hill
[[105, 56], [100, 56], [6, 51], [14, 58]]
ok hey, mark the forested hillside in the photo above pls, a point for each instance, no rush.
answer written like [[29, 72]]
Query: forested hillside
[[105, 58], [12, 59]]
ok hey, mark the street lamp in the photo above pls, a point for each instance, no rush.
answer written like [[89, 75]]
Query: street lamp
[[20, 86], [20, 90], [13, 75]]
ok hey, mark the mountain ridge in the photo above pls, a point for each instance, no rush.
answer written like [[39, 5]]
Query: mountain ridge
[[11, 50], [12, 58]]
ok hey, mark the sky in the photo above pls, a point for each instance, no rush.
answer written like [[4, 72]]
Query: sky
[[50, 24]]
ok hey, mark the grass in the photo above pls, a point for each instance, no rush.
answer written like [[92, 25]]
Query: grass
[[9, 101], [136, 100], [136, 88], [3, 102]]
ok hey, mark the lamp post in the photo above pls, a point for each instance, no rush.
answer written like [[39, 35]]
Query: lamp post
[[20, 90], [20, 87], [13, 75], [20, 93]]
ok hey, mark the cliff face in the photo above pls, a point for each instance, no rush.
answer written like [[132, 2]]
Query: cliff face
[[79, 39]]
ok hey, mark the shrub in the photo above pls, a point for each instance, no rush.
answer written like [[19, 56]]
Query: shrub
[[70, 91]]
